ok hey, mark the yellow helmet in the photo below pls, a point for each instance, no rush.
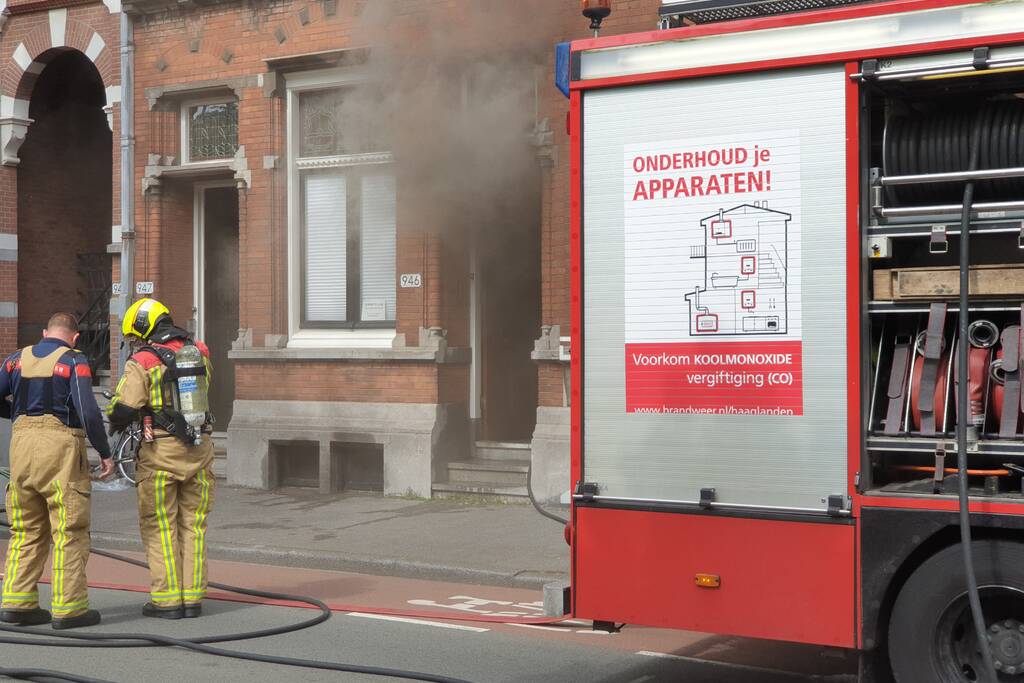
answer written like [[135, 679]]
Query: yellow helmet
[[141, 318]]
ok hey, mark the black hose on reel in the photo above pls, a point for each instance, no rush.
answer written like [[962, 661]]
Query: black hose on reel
[[941, 143]]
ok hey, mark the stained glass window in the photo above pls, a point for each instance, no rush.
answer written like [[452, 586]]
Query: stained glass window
[[337, 121], [321, 133], [212, 131]]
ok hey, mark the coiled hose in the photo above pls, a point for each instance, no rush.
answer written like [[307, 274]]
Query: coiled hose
[[941, 143]]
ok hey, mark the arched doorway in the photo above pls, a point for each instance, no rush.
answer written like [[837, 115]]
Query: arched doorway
[[64, 205]]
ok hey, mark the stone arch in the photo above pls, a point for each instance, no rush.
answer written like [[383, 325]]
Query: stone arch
[[19, 73], [64, 209]]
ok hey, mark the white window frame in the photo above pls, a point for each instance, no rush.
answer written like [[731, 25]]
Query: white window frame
[[297, 83], [199, 250], [184, 119]]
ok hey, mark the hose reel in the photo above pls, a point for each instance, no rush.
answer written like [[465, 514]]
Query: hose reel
[[939, 142]]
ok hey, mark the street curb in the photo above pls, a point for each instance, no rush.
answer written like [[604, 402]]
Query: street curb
[[362, 564]]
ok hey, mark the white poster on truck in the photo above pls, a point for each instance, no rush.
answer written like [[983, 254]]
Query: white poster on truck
[[712, 274]]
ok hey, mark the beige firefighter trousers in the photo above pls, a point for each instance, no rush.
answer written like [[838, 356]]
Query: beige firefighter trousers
[[176, 485], [48, 498]]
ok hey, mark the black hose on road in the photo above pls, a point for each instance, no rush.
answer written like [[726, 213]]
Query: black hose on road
[[47, 675], [131, 640]]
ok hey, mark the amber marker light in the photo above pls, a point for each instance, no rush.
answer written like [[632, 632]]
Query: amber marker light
[[708, 581]]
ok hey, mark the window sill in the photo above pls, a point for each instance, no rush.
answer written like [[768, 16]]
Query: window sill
[[367, 338], [407, 354]]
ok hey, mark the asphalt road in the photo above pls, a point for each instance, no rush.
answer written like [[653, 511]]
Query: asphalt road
[[479, 652]]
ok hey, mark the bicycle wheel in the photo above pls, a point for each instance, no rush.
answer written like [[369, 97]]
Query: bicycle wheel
[[126, 452]]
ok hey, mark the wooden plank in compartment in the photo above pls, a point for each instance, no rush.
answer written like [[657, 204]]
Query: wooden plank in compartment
[[903, 284]]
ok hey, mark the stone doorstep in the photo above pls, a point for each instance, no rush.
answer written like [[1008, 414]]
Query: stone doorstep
[[499, 450], [484, 491], [507, 472]]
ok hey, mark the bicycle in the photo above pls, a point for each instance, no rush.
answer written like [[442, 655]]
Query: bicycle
[[126, 451]]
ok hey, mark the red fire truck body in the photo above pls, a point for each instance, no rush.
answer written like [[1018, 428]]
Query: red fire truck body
[[733, 465]]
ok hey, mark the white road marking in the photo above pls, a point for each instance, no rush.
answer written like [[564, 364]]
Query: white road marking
[[421, 622], [542, 628], [717, 662], [663, 655]]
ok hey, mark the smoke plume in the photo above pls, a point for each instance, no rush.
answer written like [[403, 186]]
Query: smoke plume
[[452, 92]]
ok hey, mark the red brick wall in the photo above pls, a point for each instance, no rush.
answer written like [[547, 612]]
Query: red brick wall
[[550, 377], [355, 381], [453, 384]]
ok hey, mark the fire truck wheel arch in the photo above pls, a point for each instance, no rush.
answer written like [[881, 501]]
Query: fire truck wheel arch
[[929, 633], [898, 544]]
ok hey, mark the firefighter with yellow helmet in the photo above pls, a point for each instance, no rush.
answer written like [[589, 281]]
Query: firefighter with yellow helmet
[[165, 383]]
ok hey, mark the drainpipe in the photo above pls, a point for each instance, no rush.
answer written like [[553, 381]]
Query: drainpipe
[[127, 173]]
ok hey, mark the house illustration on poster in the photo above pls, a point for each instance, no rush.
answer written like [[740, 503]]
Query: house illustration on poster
[[744, 290]]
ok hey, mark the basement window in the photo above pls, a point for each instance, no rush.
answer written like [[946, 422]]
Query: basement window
[[209, 130]]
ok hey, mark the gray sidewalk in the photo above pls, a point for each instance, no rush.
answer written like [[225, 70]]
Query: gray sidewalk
[[498, 544]]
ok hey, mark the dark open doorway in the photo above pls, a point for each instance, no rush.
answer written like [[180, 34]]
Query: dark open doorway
[[64, 206], [508, 267], [218, 292]]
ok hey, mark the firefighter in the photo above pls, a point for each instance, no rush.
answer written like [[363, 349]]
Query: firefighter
[[53, 409], [175, 467]]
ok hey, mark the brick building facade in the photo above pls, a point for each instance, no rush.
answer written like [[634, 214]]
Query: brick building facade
[[368, 231]]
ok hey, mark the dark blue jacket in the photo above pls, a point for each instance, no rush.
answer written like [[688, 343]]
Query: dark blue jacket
[[73, 401]]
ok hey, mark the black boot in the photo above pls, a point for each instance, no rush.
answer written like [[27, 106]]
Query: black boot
[[193, 611], [87, 618], [151, 610], [25, 617]]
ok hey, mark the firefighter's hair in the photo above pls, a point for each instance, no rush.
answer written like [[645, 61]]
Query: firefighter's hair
[[64, 321]]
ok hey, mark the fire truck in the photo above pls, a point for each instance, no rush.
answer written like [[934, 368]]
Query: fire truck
[[793, 223]]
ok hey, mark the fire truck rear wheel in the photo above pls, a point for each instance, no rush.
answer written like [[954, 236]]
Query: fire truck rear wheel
[[931, 636]]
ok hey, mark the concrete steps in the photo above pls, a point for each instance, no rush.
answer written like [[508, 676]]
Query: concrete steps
[[483, 491], [503, 450], [497, 473], [508, 472]]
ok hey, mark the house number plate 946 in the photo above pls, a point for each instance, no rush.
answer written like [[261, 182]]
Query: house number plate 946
[[411, 280]]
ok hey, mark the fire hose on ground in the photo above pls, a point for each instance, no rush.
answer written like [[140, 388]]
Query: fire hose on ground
[[204, 644]]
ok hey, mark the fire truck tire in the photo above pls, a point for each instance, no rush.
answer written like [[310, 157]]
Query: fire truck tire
[[931, 637]]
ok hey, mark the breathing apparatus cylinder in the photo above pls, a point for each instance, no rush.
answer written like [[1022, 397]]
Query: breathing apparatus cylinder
[[192, 395]]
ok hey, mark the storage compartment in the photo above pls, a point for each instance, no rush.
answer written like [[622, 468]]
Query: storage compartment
[[917, 137], [643, 567]]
